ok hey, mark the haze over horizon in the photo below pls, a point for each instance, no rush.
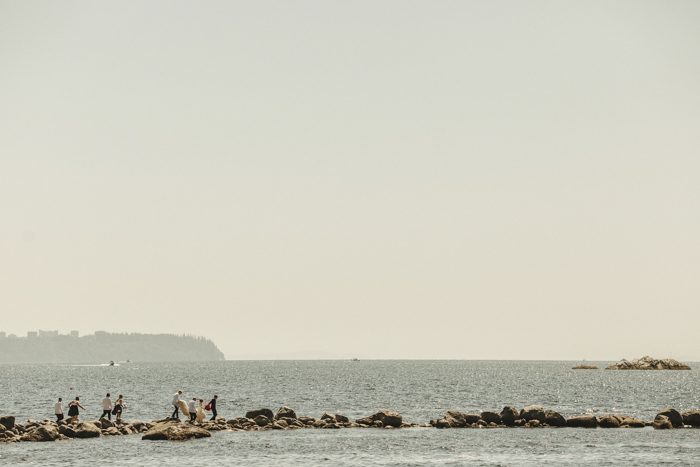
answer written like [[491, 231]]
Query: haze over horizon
[[402, 179]]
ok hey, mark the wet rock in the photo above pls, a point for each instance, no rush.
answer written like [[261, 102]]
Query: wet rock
[[104, 423], [674, 416], [533, 423], [285, 412], [42, 433], [67, 431], [261, 420], [662, 422], [509, 415], [692, 418], [553, 418], [8, 421], [388, 418], [341, 418], [175, 431], [112, 431], [609, 421], [532, 412], [491, 417], [585, 367], [254, 413]]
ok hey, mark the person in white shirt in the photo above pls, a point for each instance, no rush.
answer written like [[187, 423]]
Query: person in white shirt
[[58, 410], [176, 401], [107, 407], [192, 406]]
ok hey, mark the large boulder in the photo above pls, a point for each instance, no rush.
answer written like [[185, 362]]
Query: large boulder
[[582, 421], [254, 413], [692, 418], [42, 433], [66, 430], [104, 423], [532, 412], [553, 418], [175, 432], [609, 421], [388, 418], [631, 422], [674, 416], [262, 420], [509, 415], [87, 430], [8, 421], [662, 422], [491, 417], [285, 412]]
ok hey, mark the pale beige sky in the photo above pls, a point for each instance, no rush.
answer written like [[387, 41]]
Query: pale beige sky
[[380, 179]]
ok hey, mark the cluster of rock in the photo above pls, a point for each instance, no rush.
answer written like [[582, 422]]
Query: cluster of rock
[[648, 363], [585, 367], [532, 416], [65, 429], [535, 416]]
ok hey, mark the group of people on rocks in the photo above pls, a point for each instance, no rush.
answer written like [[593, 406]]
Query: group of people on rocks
[[108, 408], [195, 407]]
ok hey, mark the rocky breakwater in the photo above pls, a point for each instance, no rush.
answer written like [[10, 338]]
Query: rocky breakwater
[[535, 416], [46, 430], [648, 363]]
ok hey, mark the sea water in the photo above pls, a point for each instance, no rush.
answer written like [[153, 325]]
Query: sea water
[[419, 390]]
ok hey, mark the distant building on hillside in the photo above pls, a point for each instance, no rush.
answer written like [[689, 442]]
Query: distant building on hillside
[[74, 334], [32, 334], [48, 333], [3, 334]]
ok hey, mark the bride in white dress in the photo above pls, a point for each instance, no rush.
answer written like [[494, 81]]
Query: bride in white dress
[[200, 411]]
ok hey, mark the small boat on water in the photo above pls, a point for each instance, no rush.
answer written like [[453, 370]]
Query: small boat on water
[[111, 363]]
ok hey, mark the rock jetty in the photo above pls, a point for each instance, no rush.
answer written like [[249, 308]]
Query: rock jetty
[[648, 363], [584, 367], [532, 416]]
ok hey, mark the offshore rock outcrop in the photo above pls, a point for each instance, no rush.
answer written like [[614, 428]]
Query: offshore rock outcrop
[[648, 363], [533, 416]]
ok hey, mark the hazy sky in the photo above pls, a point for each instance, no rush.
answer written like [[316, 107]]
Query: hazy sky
[[380, 179]]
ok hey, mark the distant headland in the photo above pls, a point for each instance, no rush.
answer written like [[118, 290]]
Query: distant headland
[[104, 347]]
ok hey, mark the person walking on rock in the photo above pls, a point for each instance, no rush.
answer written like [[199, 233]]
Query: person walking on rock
[[212, 407], [58, 410], [73, 407], [119, 406], [176, 401], [107, 407], [192, 407]]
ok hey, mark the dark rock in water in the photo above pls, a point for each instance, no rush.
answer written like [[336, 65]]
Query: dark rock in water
[[341, 418], [104, 423], [608, 421], [175, 431], [649, 363], [42, 433], [327, 416], [364, 421], [553, 418], [585, 367], [662, 422], [87, 430], [8, 421], [254, 413], [532, 412], [388, 418], [491, 417], [582, 421], [534, 423], [261, 420], [674, 416], [509, 415], [692, 418], [66, 430], [284, 412]]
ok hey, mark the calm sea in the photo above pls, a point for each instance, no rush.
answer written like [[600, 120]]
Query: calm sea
[[420, 390]]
